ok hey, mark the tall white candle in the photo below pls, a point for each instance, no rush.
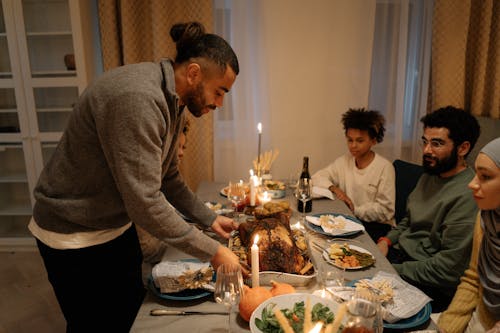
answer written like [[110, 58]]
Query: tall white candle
[[259, 129], [255, 262]]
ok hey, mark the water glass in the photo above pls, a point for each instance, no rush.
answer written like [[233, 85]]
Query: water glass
[[228, 287]]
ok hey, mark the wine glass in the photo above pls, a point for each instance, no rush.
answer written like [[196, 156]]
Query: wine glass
[[303, 193], [228, 287], [327, 277], [236, 193]]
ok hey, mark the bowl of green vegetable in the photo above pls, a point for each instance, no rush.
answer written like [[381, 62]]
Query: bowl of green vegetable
[[294, 307]]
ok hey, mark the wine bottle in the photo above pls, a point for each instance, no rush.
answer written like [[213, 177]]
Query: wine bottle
[[305, 174]]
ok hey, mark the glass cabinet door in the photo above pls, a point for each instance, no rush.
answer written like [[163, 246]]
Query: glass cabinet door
[[15, 201], [49, 38], [53, 107], [5, 71]]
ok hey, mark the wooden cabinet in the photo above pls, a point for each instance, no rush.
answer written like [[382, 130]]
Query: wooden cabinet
[[47, 53]]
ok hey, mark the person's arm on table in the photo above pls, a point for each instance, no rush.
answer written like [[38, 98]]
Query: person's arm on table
[[392, 237], [447, 265]]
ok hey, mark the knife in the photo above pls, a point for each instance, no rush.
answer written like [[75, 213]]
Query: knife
[[163, 312]]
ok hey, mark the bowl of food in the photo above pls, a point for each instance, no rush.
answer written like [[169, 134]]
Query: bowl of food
[[275, 188]]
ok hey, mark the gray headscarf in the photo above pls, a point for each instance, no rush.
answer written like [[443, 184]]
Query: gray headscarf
[[489, 255]]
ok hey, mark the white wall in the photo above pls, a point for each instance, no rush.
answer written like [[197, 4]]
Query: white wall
[[318, 56]]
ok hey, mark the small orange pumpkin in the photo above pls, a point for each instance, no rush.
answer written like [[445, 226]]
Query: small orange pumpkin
[[251, 299], [281, 288]]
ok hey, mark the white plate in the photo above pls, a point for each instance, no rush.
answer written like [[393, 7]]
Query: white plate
[[287, 302], [354, 247]]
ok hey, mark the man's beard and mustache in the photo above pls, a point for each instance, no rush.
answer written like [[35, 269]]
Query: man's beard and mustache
[[442, 165], [195, 101]]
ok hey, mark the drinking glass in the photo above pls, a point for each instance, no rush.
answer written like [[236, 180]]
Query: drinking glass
[[228, 287], [328, 276], [236, 193], [303, 193], [363, 315]]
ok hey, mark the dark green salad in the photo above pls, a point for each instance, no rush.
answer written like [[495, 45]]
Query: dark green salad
[[269, 324]]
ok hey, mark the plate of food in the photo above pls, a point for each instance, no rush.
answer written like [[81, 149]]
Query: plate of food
[[294, 307], [389, 298], [183, 295], [334, 224], [224, 190], [182, 280], [348, 256], [282, 251]]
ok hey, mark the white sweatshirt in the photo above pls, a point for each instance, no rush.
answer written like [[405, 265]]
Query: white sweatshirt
[[371, 190]]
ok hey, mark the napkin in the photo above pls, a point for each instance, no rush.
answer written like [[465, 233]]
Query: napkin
[[407, 300], [319, 192], [175, 276], [335, 225]]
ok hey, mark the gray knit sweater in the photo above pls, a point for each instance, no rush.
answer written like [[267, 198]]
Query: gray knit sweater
[[116, 162]]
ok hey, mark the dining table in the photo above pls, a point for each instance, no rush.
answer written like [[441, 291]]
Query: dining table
[[212, 192]]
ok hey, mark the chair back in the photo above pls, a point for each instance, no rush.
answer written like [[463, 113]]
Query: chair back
[[407, 176]]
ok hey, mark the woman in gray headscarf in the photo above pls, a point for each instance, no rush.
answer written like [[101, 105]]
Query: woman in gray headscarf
[[476, 305]]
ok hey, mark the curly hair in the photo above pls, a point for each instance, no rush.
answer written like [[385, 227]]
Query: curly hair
[[462, 125], [365, 120], [192, 42]]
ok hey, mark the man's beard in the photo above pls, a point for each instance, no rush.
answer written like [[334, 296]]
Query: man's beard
[[442, 165], [195, 101]]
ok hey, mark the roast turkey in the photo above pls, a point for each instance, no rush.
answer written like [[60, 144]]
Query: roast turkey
[[277, 249]]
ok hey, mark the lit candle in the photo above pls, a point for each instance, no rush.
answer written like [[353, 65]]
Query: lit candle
[[259, 129], [255, 262], [253, 188], [264, 197]]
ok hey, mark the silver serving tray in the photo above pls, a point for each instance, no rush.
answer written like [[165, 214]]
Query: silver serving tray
[[265, 277]]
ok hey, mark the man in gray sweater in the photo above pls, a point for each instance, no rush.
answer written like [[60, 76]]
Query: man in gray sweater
[[117, 163]]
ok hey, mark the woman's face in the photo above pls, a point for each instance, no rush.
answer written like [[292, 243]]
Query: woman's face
[[486, 184]]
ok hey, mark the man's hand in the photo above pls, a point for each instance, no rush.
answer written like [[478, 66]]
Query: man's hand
[[223, 226], [226, 256], [383, 247]]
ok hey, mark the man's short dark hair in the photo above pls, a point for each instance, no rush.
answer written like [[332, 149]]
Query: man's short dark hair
[[462, 125]]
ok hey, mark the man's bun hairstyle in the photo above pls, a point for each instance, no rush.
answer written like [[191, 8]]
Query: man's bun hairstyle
[[193, 42]]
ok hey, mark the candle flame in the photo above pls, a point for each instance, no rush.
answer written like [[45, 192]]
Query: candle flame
[[256, 239], [259, 128], [317, 328], [251, 172]]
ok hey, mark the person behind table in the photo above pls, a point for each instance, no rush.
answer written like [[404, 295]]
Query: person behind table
[[430, 247], [153, 248], [476, 304], [116, 163], [363, 179]]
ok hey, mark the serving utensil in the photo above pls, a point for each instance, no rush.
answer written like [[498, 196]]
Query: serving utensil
[[165, 312]]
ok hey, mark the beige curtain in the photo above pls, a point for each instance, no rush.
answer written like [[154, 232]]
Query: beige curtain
[[465, 70], [138, 30]]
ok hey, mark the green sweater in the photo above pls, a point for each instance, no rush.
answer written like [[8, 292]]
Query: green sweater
[[437, 231], [117, 162]]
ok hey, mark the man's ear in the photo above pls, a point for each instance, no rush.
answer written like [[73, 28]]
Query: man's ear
[[193, 73], [464, 148]]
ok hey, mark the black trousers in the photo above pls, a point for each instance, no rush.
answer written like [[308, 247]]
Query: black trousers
[[441, 297], [99, 288]]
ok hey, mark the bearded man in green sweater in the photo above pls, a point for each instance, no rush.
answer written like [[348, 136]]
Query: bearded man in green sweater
[[430, 248]]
